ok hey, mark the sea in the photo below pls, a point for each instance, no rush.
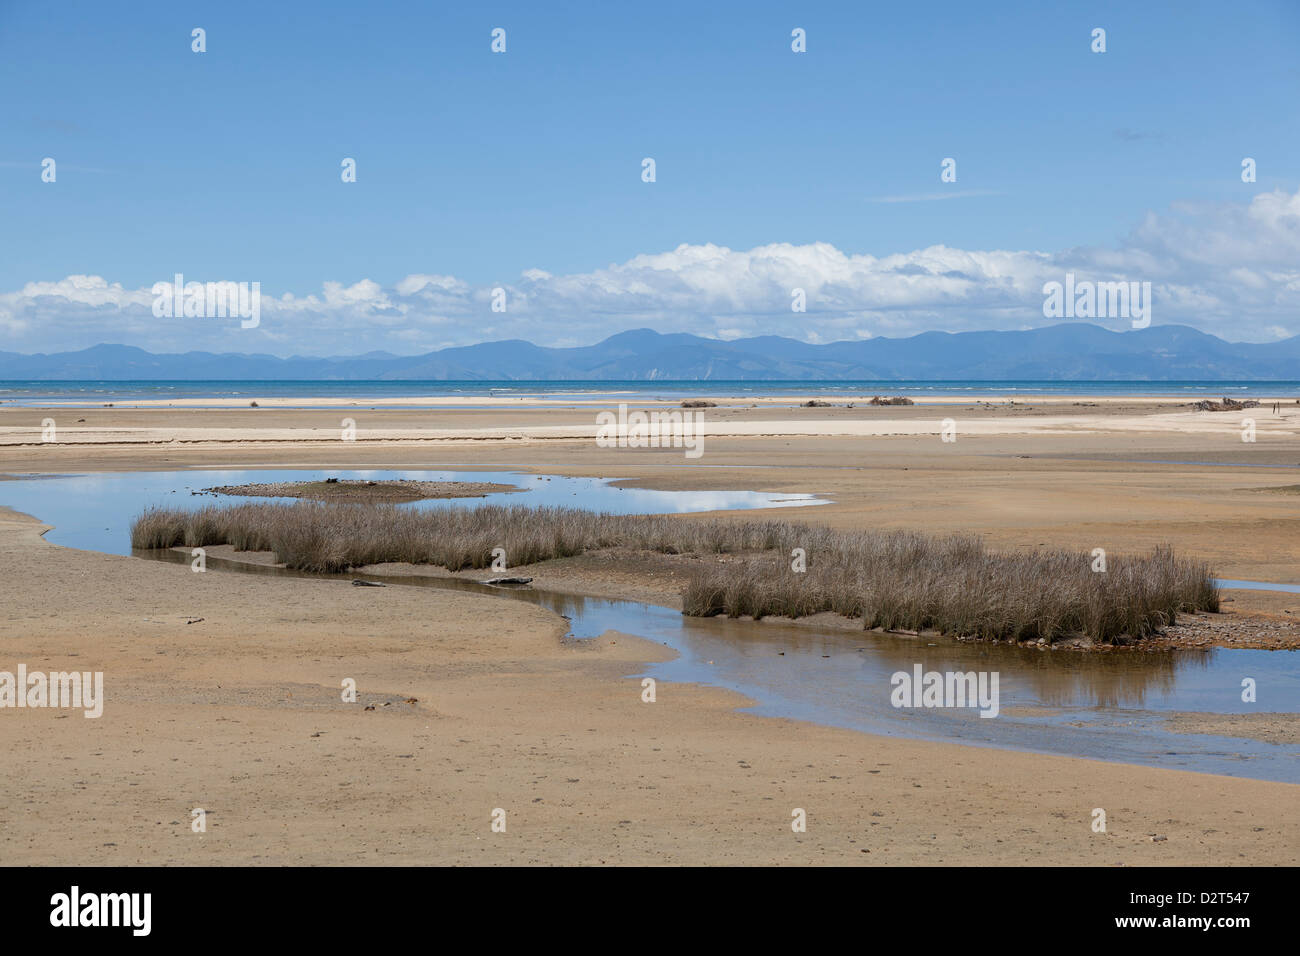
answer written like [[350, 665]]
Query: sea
[[425, 394]]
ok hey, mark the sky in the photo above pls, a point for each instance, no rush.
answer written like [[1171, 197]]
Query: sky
[[522, 171]]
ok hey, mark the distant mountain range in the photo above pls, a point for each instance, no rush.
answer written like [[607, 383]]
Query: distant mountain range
[[1076, 351]]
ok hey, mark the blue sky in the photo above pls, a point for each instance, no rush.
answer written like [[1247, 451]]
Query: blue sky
[[481, 168]]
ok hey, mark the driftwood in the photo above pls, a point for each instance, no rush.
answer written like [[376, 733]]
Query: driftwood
[[507, 581], [358, 583]]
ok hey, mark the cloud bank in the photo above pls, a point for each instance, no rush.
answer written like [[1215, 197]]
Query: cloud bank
[[1229, 269]]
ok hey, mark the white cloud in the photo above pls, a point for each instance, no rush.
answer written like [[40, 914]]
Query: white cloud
[[1229, 269]]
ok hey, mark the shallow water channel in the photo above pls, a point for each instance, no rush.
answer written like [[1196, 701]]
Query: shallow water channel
[[1109, 706]]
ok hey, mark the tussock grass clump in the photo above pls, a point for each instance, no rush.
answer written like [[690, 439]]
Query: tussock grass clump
[[895, 579], [954, 585]]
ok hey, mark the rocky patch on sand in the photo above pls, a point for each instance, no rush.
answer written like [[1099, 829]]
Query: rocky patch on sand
[[1227, 405]]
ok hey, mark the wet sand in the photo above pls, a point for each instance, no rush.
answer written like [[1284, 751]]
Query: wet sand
[[221, 713], [1102, 485], [239, 713], [1281, 729]]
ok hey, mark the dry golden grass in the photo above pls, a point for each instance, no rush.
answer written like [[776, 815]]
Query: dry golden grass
[[888, 579]]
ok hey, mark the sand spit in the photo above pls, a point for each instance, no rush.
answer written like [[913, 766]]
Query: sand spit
[[1282, 729], [1184, 423], [363, 491]]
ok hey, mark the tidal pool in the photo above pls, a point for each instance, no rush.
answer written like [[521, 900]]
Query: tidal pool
[[1108, 706], [94, 511]]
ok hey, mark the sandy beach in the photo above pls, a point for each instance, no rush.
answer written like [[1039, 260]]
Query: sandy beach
[[239, 712], [538, 420]]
